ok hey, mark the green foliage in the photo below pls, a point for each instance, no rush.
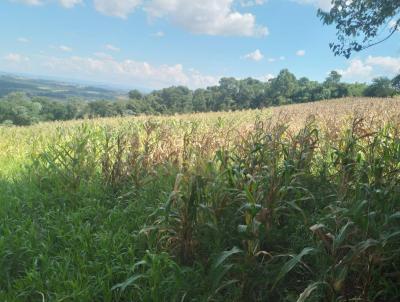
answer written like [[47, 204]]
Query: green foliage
[[359, 22], [381, 87], [396, 83], [135, 94], [105, 214]]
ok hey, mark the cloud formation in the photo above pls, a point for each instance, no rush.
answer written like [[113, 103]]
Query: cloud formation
[[128, 72], [15, 58], [247, 3], [112, 47], [116, 8], [371, 67], [29, 2], [301, 53], [102, 67], [23, 40], [70, 3], [208, 17], [254, 56], [65, 48], [64, 3]]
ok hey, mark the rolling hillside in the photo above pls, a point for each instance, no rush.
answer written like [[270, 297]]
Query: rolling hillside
[[54, 89]]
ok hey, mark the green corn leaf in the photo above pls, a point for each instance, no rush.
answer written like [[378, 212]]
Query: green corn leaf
[[288, 266], [342, 234], [308, 291], [224, 255], [122, 286]]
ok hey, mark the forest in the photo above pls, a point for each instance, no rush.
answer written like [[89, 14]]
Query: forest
[[230, 94]]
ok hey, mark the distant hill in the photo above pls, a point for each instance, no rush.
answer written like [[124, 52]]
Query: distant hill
[[55, 89]]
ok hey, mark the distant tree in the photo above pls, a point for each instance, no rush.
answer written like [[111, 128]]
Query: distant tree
[[119, 107], [74, 109], [200, 100], [380, 87], [356, 89], [336, 89], [135, 95], [396, 83], [333, 78], [250, 93], [359, 22], [177, 99], [7, 123], [283, 87], [304, 91], [321, 93], [101, 108], [20, 109]]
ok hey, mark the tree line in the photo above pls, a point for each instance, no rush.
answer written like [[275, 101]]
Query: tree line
[[230, 94]]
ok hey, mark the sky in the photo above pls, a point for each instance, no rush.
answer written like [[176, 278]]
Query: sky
[[151, 44]]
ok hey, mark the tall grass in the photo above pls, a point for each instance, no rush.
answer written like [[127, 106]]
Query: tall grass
[[301, 203]]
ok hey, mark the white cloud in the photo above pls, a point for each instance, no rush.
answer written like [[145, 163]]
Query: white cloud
[[301, 53], [102, 55], [210, 17], [255, 55], [29, 2], [159, 34], [111, 47], [23, 40], [15, 58], [325, 5], [357, 70], [390, 65], [371, 67], [64, 48], [116, 8], [70, 3], [281, 58], [265, 78], [64, 3], [247, 3], [127, 72]]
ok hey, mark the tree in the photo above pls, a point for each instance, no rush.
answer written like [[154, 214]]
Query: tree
[[396, 83], [380, 87], [135, 95], [199, 100], [307, 91], [177, 99], [101, 108], [333, 78], [336, 89], [358, 23], [356, 89], [283, 87], [250, 93]]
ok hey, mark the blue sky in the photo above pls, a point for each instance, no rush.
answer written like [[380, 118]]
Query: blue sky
[[157, 43]]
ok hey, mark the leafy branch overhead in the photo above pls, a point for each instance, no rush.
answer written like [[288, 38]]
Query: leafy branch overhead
[[361, 24]]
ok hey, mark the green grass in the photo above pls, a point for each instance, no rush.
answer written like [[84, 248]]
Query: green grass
[[153, 211]]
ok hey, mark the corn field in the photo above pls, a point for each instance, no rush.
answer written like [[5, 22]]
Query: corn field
[[294, 203]]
